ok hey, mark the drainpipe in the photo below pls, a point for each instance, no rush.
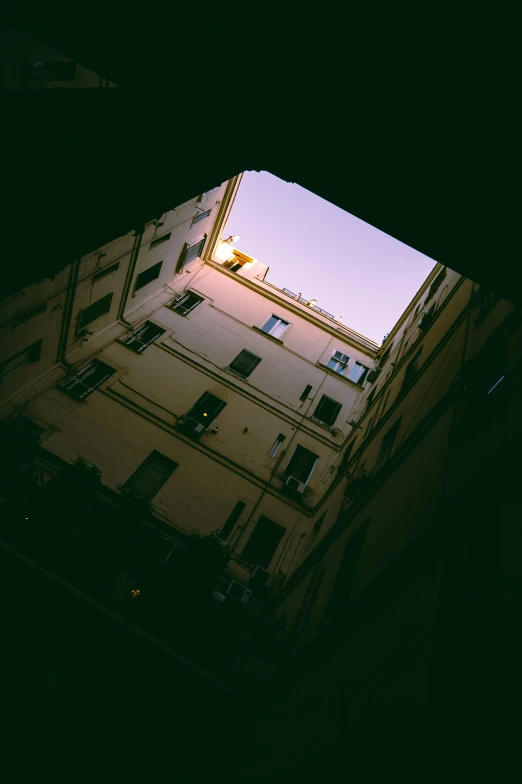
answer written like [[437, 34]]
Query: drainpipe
[[138, 236], [68, 310]]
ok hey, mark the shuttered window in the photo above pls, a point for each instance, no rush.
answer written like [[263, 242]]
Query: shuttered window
[[152, 474], [245, 363]]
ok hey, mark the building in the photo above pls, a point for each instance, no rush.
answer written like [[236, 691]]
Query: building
[[166, 359], [402, 597], [30, 65]]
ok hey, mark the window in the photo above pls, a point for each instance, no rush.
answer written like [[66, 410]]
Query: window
[[143, 337], [206, 409], [29, 314], [159, 240], [191, 251], [51, 70], [152, 474], [301, 464], [30, 354], [370, 398], [186, 302], [104, 272], [436, 284], [94, 311], [345, 576], [147, 276], [244, 363], [339, 362], [275, 326], [87, 380], [411, 370], [327, 410], [383, 359], [307, 390], [263, 542], [232, 520], [200, 217], [358, 373], [276, 445], [387, 445]]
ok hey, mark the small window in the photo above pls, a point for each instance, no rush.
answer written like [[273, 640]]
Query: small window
[[388, 445], [29, 314], [244, 363], [206, 409], [263, 542], [104, 272], [277, 445], [358, 373], [301, 464], [147, 276], [51, 70], [339, 362], [384, 358], [191, 251], [82, 384], [327, 410], [143, 337], [411, 370], [436, 284], [275, 326], [159, 240], [200, 217], [232, 520], [306, 392], [186, 302], [30, 354], [152, 474], [94, 311]]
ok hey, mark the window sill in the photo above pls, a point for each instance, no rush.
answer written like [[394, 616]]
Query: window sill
[[266, 335], [330, 428], [236, 374]]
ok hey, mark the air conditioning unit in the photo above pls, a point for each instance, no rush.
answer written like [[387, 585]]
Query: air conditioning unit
[[262, 578], [239, 592], [373, 375], [187, 423], [295, 485]]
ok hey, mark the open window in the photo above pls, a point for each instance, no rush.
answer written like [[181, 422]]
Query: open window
[[327, 411], [186, 302], [191, 251], [263, 542], [143, 337], [301, 465], [339, 362], [206, 409], [358, 373]]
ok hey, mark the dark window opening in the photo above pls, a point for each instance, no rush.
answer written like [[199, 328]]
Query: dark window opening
[[206, 409], [147, 276], [104, 272], [327, 411], [200, 217], [151, 475], [306, 392], [186, 302], [29, 314], [301, 464], [232, 520], [30, 354], [411, 370], [436, 284], [143, 337], [87, 380], [346, 574], [159, 240], [94, 311], [244, 363], [263, 542], [387, 445], [191, 252]]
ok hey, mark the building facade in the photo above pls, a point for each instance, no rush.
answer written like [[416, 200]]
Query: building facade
[[30, 65]]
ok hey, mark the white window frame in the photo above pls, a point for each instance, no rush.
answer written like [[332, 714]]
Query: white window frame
[[179, 299], [134, 337], [342, 367], [279, 320], [80, 377]]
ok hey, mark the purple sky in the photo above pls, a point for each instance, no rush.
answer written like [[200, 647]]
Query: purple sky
[[352, 269]]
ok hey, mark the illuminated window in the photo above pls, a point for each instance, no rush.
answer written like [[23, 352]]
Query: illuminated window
[[206, 409]]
